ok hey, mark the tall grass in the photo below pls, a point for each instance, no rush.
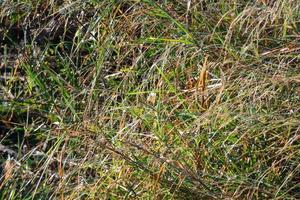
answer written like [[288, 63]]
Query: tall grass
[[150, 99]]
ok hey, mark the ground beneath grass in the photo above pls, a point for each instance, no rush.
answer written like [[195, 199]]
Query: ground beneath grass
[[142, 99]]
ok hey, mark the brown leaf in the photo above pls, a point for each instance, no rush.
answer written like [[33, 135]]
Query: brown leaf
[[8, 169], [201, 84]]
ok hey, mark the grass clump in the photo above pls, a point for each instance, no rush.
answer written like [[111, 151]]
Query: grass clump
[[150, 99]]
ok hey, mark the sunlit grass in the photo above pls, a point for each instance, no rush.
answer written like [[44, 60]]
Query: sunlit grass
[[150, 100]]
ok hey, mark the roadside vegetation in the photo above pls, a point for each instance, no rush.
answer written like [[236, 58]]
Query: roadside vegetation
[[145, 99]]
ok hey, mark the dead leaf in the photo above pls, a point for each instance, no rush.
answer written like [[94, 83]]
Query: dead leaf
[[201, 84], [152, 98], [8, 171]]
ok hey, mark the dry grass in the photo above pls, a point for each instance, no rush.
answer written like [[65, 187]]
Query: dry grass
[[150, 99]]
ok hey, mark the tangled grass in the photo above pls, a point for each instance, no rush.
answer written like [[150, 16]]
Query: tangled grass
[[145, 99]]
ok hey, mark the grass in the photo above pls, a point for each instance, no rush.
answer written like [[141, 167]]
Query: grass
[[149, 99]]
